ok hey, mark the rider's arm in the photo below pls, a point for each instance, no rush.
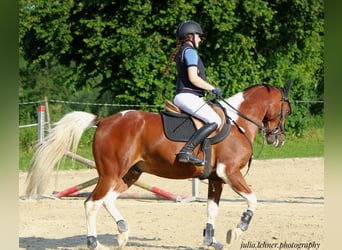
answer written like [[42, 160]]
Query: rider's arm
[[191, 60], [196, 80]]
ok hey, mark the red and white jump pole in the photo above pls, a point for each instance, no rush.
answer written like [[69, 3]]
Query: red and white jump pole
[[144, 196], [74, 190], [159, 191]]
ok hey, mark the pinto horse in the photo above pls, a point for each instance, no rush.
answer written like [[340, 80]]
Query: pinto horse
[[132, 142]]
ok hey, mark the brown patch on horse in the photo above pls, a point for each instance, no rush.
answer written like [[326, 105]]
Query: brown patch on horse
[[171, 107]]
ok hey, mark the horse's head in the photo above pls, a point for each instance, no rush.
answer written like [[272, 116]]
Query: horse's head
[[274, 120]]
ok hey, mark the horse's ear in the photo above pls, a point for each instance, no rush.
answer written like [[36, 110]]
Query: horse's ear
[[287, 89]]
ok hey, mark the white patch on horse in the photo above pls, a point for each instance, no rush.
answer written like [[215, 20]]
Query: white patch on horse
[[221, 172], [234, 101], [92, 207], [109, 202], [251, 200], [123, 113], [212, 212]]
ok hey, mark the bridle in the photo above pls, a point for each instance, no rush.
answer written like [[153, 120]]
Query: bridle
[[279, 128]]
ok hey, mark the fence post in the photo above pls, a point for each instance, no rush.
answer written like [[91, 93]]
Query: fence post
[[195, 187], [47, 114], [41, 114]]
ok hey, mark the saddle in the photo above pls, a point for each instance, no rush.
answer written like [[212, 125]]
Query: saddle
[[172, 108], [180, 126]]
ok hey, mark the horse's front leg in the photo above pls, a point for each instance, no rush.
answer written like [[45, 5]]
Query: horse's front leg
[[239, 185], [214, 195]]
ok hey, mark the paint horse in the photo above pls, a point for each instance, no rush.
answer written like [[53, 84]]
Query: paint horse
[[132, 142]]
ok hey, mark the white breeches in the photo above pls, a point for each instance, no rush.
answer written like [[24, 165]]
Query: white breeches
[[196, 106]]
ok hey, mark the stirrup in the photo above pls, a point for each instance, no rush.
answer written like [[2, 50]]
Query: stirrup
[[189, 157]]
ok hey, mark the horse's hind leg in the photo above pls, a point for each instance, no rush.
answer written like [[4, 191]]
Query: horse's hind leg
[[92, 205], [109, 204]]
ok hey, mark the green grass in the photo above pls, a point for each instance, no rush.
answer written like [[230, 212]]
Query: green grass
[[308, 147], [311, 145], [26, 157]]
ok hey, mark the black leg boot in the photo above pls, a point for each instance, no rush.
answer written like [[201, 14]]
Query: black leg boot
[[186, 154]]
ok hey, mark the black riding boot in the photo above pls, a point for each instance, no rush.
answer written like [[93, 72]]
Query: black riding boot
[[186, 154]]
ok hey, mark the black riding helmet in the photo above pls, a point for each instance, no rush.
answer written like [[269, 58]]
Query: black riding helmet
[[188, 27]]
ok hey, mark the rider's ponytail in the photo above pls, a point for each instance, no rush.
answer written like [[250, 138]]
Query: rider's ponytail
[[172, 57]]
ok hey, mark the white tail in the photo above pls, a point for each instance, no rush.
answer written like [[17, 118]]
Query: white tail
[[65, 136]]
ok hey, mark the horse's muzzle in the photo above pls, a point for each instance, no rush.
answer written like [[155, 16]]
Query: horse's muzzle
[[277, 140]]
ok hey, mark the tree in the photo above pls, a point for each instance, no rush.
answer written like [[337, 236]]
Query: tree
[[121, 47]]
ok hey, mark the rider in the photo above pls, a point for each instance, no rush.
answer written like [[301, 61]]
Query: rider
[[191, 86]]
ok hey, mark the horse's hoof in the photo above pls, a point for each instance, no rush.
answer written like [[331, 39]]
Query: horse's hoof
[[91, 242], [122, 240], [233, 234], [217, 245]]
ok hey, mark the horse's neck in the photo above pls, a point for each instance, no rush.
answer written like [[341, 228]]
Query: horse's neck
[[234, 101], [237, 101]]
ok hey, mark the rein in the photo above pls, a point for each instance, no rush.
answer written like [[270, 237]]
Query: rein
[[259, 125]]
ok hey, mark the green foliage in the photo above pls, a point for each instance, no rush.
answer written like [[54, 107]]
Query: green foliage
[[114, 51], [28, 141]]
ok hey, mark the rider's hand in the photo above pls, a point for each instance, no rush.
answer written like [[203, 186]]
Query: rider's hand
[[217, 92]]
